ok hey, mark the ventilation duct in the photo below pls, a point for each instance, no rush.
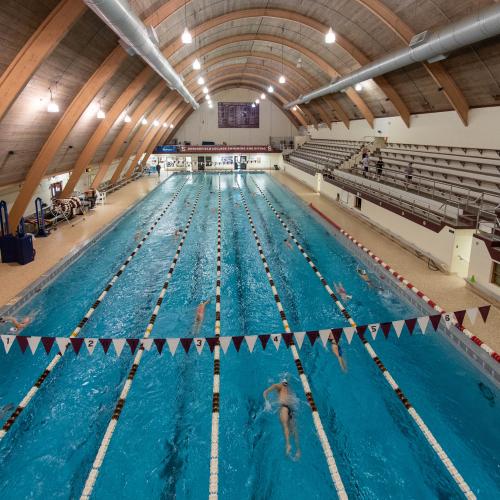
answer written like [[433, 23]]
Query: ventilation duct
[[427, 46], [136, 38]]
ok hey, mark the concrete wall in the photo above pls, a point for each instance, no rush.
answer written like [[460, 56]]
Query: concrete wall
[[443, 128], [481, 268], [202, 125]]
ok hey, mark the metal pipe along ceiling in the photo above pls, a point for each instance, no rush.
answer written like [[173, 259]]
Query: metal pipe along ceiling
[[118, 15], [424, 47]]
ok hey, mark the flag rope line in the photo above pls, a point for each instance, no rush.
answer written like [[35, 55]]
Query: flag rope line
[[57, 358], [213, 489], [106, 440], [459, 480], [485, 347], [332, 466]]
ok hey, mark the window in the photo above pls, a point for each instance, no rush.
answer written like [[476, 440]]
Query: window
[[496, 273], [357, 203]]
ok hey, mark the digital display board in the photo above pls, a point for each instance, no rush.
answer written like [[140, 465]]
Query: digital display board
[[238, 115]]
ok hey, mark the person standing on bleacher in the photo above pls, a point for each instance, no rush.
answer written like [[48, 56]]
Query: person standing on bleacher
[[366, 163], [380, 167]]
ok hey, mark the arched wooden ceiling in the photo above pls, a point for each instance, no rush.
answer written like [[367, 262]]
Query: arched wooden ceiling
[[61, 45]]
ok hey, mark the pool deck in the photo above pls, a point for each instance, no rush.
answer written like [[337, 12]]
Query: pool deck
[[448, 291], [68, 238]]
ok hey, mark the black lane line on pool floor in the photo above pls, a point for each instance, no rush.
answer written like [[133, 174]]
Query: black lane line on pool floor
[[327, 450], [103, 447], [213, 487], [36, 386], [446, 461]]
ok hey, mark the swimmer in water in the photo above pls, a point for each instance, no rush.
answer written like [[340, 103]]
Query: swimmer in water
[[337, 351], [287, 243], [200, 316], [286, 400], [339, 288], [364, 276], [138, 236], [5, 410], [17, 325], [178, 232]]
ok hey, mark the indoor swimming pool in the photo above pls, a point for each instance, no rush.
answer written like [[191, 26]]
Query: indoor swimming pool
[[161, 446]]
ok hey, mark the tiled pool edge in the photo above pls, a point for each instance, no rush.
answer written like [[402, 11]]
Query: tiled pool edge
[[487, 364], [10, 308]]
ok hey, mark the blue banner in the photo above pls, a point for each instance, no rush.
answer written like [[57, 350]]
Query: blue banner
[[169, 148]]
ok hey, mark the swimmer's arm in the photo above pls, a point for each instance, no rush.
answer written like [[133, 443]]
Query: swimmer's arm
[[274, 387]]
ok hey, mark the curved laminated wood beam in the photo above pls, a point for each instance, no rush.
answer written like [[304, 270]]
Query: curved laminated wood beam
[[93, 143], [317, 60], [153, 132], [137, 115], [40, 45], [141, 133], [301, 74], [288, 15], [436, 70], [102, 75]]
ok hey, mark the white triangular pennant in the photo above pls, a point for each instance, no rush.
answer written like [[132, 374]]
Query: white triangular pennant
[[90, 344], [172, 345], [349, 332], [373, 329], [472, 313], [118, 345], [276, 338], [324, 335], [147, 344], [251, 339], [423, 321], [299, 337], [62, 343], [199, 342], [33, 343], [449, 318], [224, 342], [8, 341], [398, 326]]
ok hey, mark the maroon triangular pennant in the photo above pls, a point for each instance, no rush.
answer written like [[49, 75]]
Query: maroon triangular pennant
[[264, 339], [23, 342], [460, 315], [386, 328], [48, 342], [337, 333], [361, 330], [312, 335], [212, 342], [435, 319], [105, 344], [288, 338], [77, 344], [186, 343], [237, 340], [159, 343], [133, 343], [484, 311], [410, 324]]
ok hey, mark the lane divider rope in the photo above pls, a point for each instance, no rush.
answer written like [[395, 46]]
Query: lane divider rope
[[213, 490], [491, 352], [332, 466], [106, 440], [57, 358], [459, 480]]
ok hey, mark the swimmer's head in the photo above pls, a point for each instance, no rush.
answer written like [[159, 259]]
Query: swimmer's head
[[284, 382], [362, 271]]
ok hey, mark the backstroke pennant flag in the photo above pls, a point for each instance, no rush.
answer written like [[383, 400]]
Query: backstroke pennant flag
[[8, 341], [224, 343], [237, 341], [77, 343], [33, 343], [324, 335], [435, 319], [410, 324], [472, 313], [276, 338], [373, 329], [147, 344], [299, 337], [398, 326], [386, 328], [484, 311], [63, 342], [172, 345], [90, 344], [423, 321], [186, 343], [251, 339], [47, 343], [118, 344], [264, 339], [349, 332], [199, 342], [23, 342]]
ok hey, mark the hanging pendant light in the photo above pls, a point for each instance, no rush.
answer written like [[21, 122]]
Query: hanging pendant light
[[282, 79], [253, 105], [358, 87], [144, 121], [262, 96], [127, 119], [171, 125], [207, 97], [52, 107], [186, 37], [100, 114], [205, 90], [165, 125], [196, 64], [270, 89], [257, 101], [156, 123], [330, 36], [200, 80]]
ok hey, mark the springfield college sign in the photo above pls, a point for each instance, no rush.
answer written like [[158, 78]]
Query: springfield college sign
[[224, 149]]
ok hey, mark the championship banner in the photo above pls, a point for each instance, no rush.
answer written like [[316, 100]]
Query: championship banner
[[225, 149], [424, 324]]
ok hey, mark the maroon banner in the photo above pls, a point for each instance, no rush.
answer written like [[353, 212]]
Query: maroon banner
[[225, 149]]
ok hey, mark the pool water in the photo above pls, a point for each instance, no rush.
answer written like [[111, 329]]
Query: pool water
[[161, 446]]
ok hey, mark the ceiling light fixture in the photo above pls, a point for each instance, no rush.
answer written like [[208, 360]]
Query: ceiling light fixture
[[52, 107], [127, 119], [205, 90], [330, 36], [253, 105], [257, 101], [270, 89], [358, 87], [165, 125], [210, 105], [207, 98], [196, 64], [101, 114], [201, 80], [144, 121], [282, 79], [262, 96], [186, 37], [156, 123], [294, 108], [171, 125]]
